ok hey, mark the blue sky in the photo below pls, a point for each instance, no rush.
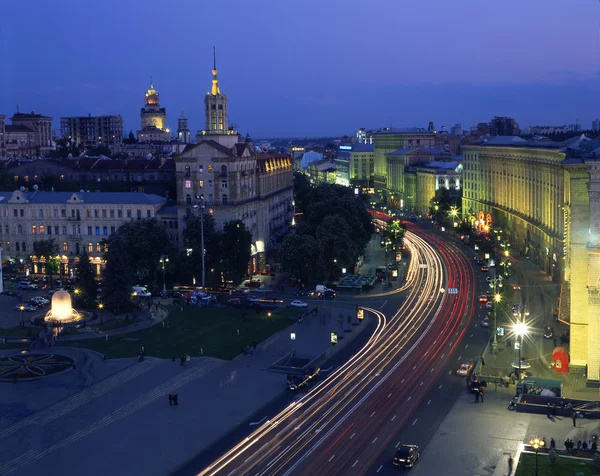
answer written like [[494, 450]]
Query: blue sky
[[315, 67]]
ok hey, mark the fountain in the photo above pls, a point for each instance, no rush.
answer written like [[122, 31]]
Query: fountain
[[61, 310]]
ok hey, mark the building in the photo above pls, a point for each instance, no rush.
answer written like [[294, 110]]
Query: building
[[153, 118], [234, 182], [20, 141], [77, 221], [428, 179], [321, 172], [308, 158], [2, 137], [456, 130], [183, 131], [355, 165], [548, 205], [596, 125], [92, 131], [41, 127], [503, 126]]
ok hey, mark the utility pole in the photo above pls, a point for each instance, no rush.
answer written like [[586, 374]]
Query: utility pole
[[201, 206], [496, 283]]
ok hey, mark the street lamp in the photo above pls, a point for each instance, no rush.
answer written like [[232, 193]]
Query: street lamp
[[201, 206], [537, 443], [496, 283], [134, 296], [520, 329], [22, 308], [164, 259], [100, 307]]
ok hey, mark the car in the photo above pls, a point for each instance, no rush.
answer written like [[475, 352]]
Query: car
[[464, 369], [303, 292], [298, 303], [485, 322], [485, 269], [254, 298], [489, 305], [252, 283], [548, 333], [516, 287], [327, 294], [267, 273], [40, 300], [407, 456], [234, 302], [483, 298], [27, 306], [25, 285]]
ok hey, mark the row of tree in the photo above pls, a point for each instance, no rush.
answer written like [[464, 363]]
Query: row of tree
[[333, 228]]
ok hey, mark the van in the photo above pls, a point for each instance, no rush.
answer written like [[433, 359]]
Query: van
[[141, 291]]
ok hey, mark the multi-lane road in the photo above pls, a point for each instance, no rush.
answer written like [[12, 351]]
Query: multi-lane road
[[344, 424]]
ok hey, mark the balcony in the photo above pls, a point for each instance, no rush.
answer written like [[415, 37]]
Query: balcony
[[75, 218]]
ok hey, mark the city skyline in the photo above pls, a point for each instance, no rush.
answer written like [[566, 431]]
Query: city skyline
[[465, 66]]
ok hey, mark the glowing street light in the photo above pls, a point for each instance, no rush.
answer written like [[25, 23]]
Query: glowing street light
[[22, 308], [100, 308], [520, 329], [537, 443]]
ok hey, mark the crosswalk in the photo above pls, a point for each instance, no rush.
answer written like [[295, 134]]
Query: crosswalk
[[81, 398], [207, 365]]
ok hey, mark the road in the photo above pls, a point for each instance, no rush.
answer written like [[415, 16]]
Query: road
[[344, 423]]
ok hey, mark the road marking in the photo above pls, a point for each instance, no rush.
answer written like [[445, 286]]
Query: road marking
[[420, 384], [380, 468], [471, 335], [432, 369], [416, 419], [414, 367], [459, 357], [393, 418], [355, 463], [330, 459], [397, 444], [409, 398], [442, 356], [381, 307], [257, 422], [372, 414], [352, 435], [374, 440], [466, 346], [403, 380], [389, 395], [428, 402], [439, 387]]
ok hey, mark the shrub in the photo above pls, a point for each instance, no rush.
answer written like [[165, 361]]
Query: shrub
[[552, 456], [596, 460]]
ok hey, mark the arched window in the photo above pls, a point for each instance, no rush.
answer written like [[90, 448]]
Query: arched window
[[187, 170], [19, 229], [188, 199], [17, 245], [24, 246], [223, 170]]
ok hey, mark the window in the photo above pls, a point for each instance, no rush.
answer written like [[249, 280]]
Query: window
[[65, 247], [97, 231], [19, 229], [49, 230], [128, 213], [105, 247], [201, 168], [15, 213], [88, 213], [64, 230], [89, 230], [56, 230], [22, 212], [104, 213], [62, 177], [112, 229], [33, 229], [55, 212], [17, 247], [148, 214], [112, 213], [120, 213], [96, 214], [23, 246], [90, 247], [224, 199], [139, 214], [41, 213], [201, 183], [188, 199], [76, 248], [8, 246], [98, 248], [105, 230], [223, 170], [187, 171], [209, 168], [224, 184]]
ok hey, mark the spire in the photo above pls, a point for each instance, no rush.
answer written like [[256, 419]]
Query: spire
[[182, 114], [215, 82], [151, 83]]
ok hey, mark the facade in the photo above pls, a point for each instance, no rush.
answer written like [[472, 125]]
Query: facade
[[355, 165], [548, 204], [41, 127], [234, 182], [92, 131], [2, 137], [153, 118], [321, 172], [76, 221], [430, 178], [399, 160], [503, 126], [20, 141], [596, 125], [456, 130], [183, 131]]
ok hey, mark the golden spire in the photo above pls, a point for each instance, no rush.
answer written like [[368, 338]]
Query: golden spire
[[215, 82]]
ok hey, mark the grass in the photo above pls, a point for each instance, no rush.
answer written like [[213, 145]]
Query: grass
[[562, 467], [212, 329], [115, 324], [19, 331]]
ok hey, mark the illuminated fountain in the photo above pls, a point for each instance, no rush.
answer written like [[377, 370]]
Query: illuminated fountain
[[61, 310]]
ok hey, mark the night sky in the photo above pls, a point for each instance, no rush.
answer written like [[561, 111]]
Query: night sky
[[310, 67]]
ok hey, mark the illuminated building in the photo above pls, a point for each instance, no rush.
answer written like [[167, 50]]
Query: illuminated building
[[355, 165], [183, 132], [92, 131], [154, 118], [234, 181], [29, 134], [548, 207], [321, 171], [421, 183]]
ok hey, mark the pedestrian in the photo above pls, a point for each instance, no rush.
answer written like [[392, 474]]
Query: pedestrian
[[567, 444], [579, 445], [554, 340], [552, 443], [170, 399], [481, 393], [175, 399], [594, 445], [482, 361], [477, 397], [553, 411], [510, 465], [584, 445], [548, 411], [574, 417]]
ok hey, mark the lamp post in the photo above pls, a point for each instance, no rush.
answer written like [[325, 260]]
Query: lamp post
[[21, 308], [537, 443], [496, 283], [201, 206], [164, 259], [100, 307], [520, 329], [134, 296]]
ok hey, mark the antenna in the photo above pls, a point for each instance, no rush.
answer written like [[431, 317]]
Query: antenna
[[214, 57], [151, 83]]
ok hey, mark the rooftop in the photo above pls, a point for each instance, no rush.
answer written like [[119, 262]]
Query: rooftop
[[405, 130], [427, 150], [108, 198]]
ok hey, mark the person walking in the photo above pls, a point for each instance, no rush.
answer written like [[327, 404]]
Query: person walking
[[170, 399], [477, 396], [175, 399], [574, 417], [510, 465], [548, 411], [481, 393]]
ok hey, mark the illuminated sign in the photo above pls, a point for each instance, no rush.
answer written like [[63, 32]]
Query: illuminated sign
[[334, 338], [360, 314], [345, 147]]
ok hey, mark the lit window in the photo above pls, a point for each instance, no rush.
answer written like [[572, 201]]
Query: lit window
[[65, 247], [90, 247], [188, 184], [201, 184], [33, 229], [98, 248], [41, 229], [209, 168]]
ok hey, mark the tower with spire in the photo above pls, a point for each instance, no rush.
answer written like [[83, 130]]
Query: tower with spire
[[154, 118], [216, 116], [183, 132]]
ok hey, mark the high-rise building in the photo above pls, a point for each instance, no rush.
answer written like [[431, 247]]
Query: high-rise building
[[154, 118], [355, 165], [547, 205], [183, 131], [92, 131], [456, 130], [40, 126], [503, 126], [596, 125], [227, 175]]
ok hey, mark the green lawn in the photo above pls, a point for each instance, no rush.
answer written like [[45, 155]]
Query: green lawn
[[115, 324], [213, 330], [562, 467]]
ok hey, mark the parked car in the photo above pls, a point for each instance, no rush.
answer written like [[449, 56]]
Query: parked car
[[25, 285], [407, 456], [298, 303], [485, 269], [267, 273], [303, 292], [39, 300], [254, 298], [327, 294], [28, 307], [234, 302], [252, 283], [489, 305]]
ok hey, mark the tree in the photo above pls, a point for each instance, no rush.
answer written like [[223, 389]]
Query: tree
[[191, 264], [301, 254], [84, 278], [118, 275], [47, 249], [236, 251], [395, 234], [338, 248]]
